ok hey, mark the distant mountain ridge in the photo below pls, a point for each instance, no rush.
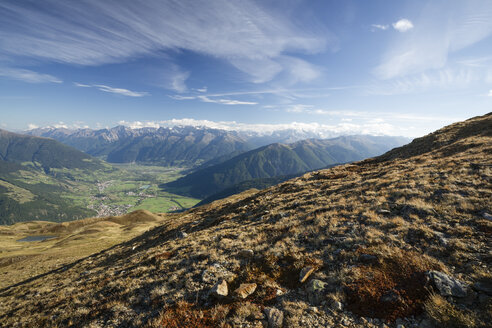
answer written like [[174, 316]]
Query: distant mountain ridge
[[282, 160], [174, 146], [179, 146]]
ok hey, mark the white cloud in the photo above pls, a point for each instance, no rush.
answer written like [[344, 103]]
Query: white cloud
[[204, 89], [440, 30], [225, 101], [120, 91], [379, 27], [81, 85], [178, 81], [28, 75], [93, 32], [490, 93], [105, 88], [32, 126], [441, 79], [403, 25]]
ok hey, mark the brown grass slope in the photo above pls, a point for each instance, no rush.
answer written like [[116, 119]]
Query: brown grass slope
[[370, 230]]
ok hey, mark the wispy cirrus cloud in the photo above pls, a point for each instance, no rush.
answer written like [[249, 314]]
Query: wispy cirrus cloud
[[375, 27], [28, 75], [119, 91], [441, 79], [439, 31], [214, 99], [490, 93], [91, 32], [226, 101]]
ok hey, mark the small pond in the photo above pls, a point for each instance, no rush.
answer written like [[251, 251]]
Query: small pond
[[36, 238]]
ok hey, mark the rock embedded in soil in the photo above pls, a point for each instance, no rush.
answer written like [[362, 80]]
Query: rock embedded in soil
[[316, 291], [305, 273], [220, 289], [246, 253], [275, 317], [447, 285], [244, 290]]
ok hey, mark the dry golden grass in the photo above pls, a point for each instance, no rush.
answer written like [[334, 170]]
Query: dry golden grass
[[416, 208]]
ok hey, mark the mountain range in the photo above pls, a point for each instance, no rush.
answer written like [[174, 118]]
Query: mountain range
[[185, 146], [277, 160]]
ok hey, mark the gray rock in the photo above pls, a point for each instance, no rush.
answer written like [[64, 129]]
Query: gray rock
[[487, 216], [447, 285], [275, 317], [182, 234]]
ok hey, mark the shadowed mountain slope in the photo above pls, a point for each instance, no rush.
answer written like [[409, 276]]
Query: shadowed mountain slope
[[401, 240], [34, 172], [281, 160]]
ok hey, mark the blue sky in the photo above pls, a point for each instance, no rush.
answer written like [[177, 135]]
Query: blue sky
[[379, 67]]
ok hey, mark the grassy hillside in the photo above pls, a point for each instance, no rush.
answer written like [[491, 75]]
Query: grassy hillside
[[280, 160], [400, 240]]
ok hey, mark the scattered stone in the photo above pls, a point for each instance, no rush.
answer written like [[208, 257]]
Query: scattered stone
[[244, 290], [336, 305], [246, 253], [305, 273], [182, 234], [400, 326], [220, 289], [216, 272], [383, 211], [275, 317], [447, 286]]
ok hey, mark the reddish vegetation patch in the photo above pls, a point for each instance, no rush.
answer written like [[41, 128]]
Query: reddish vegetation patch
[[393, 288], [164, 256], [186, 315]]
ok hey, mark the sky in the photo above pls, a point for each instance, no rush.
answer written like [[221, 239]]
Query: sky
[[349, 67]]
